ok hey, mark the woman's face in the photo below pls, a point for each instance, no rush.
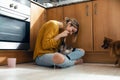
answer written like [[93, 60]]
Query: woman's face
[[71, 28]]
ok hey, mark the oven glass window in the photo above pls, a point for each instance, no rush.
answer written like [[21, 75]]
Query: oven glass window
[[14, 30]]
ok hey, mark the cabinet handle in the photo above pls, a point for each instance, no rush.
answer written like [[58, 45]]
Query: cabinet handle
[[95, 8], [87, 9]]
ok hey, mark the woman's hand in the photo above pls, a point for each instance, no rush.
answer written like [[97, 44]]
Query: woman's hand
[[62, 34]]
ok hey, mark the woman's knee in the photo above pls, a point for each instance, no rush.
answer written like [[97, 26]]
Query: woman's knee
[[82, 51], [58, 58]]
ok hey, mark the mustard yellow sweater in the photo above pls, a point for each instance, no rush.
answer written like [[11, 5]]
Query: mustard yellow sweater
[[45, 42]]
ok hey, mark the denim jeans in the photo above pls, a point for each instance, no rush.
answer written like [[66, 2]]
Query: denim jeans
[[46, 59]]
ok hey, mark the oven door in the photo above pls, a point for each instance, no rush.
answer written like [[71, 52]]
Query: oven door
[[14, 33]]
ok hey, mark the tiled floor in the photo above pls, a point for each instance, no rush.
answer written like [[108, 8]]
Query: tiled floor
[[85, 71]]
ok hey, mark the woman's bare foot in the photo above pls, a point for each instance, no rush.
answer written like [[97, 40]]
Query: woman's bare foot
[[79, 61]]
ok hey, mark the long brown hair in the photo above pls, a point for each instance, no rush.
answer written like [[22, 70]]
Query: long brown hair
[[74, 23], [71, 39]]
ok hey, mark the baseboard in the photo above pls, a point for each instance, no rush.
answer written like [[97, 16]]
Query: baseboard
[[20, 55], [27, 56], [98, 57]]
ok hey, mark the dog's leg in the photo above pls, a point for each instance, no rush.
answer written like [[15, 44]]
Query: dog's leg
[[119, 62], [116, 62]]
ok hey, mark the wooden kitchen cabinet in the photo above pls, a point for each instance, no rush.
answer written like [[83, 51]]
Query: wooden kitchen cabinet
[[83, 13], [38, 18], [97, 20], [106, 17], [55, 14], [100, 23]]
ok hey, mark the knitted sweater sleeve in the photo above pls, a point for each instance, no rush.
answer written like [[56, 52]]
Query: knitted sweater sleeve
[[50, 32]]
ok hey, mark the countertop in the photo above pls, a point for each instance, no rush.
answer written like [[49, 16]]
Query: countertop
[[58, 4]]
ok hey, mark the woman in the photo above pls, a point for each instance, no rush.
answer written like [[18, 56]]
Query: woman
[[48, 41]]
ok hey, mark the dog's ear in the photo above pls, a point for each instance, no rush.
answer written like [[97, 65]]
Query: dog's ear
[[105, 37], [108, 39]]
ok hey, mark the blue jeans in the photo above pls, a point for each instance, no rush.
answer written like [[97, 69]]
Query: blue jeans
[[46, 59]]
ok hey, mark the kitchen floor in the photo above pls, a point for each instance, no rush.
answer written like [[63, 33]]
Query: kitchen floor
[[85, 71]]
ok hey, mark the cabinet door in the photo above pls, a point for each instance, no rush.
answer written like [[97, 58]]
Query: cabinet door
[[55, 14], [106, 17], [100, 23], [83, 13], [38, 18], [114, 19]]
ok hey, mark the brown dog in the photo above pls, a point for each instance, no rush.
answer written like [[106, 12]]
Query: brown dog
[[114, 47]]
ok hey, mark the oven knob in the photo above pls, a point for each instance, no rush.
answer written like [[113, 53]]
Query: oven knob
[[15, 7], [11, 5]]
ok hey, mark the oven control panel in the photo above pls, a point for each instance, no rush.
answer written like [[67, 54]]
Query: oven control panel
[[12, 7]]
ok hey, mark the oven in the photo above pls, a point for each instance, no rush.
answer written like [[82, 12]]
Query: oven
[[14, 26]]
